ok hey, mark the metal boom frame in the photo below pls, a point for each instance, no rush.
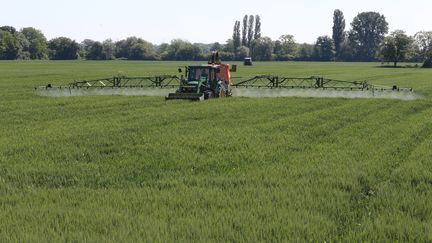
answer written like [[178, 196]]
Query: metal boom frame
[[260, 81], [162, 81], [270, 81]]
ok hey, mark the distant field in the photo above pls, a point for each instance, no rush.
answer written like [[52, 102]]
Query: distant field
[[129, 169]]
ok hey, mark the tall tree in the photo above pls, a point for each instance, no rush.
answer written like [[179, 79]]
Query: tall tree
[[257, 34], [396, 47], [38, 48], [368, 30], [244, 31], [324, 49], [338, 30], [236, 36], [250, 30]]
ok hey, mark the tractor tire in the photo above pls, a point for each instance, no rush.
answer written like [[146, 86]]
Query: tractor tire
[[208, 95]]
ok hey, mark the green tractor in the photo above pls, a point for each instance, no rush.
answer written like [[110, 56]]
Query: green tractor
[[212, 80]]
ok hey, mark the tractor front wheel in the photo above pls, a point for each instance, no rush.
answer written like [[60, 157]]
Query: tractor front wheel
[[208, 94]]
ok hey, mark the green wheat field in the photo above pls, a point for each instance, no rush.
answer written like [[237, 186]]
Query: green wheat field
[[136, 168]]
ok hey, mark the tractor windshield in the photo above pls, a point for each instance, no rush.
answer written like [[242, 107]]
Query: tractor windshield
[[199, 74]]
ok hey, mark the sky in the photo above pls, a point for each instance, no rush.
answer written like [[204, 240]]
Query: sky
[[160, 21]]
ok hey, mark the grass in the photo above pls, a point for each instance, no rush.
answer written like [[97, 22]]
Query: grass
[[243, 170]]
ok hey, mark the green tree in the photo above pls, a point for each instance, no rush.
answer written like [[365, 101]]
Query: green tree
[[368, 30], [23, 46], [216, 47], [5, 43], [87, 43], [38, 47], [250, 30], [242, 52], [122, 50], [9, 46], [304, 52], [183, 50], [227, 52], [134, 48], [262, 49], [227, 56], [13, 44], [244, 31], [285, 48], [229, 46], [142, 50], [236, 36], [423, 44], [2, 44], [81, 51], [257, 33], [108, 50], [162, 51], [338, 31], [9, 29], [189, 52], [396, 47], [324, 49], [175, 46], [95, 51], [428, 62], [278, 51], [346, 52], [63, 48]]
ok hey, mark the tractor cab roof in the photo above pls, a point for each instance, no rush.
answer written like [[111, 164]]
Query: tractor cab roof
[[213, 66]]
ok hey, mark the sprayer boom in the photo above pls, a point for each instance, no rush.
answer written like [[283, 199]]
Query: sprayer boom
[[213, 80]]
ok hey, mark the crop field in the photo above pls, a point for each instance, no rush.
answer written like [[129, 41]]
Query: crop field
[[137, 168]]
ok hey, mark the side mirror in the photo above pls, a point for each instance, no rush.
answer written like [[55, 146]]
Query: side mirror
[[233, 68]]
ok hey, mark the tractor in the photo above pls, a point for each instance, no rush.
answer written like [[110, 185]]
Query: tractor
[[212, 80]]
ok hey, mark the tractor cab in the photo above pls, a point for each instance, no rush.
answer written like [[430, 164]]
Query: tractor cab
[[205, 74]]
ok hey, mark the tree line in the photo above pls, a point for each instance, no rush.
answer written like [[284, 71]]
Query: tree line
[[367, 40]]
